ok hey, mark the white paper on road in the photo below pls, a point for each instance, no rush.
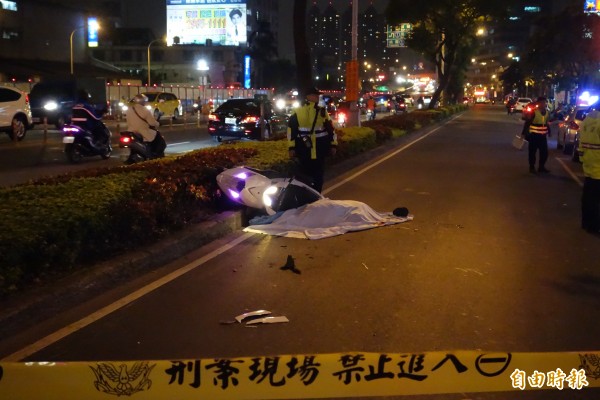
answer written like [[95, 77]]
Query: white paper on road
[[325, 218]]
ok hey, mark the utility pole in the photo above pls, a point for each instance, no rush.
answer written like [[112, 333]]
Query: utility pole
[[352, 71]]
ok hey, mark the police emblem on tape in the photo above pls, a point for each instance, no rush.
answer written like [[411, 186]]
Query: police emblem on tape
[[122, 380], [591, 364]]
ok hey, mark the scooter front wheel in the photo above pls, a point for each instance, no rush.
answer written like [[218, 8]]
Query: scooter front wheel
[[106, 153], [73, 153]]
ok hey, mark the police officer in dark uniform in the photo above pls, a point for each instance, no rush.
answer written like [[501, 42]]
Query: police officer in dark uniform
[[538, 135], [311, 137]]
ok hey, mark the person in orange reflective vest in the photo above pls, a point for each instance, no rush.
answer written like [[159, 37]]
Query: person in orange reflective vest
[[311, 138], [538, 135], [371, 107]]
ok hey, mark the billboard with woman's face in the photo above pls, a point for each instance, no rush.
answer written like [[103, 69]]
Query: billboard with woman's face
[[223, 22], [592, 6]]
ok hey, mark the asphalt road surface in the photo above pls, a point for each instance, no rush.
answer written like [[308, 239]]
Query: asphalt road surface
[[42, 153], [494, 260]]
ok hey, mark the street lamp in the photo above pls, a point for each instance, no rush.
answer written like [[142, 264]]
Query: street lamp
[[150, 44], [202, 66], [94, 27], [71, 44]]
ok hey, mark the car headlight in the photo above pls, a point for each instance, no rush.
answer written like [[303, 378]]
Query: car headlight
[[268, 196], [149, 107], [296, 104], [50, 106], [280, 104], [124, 107]]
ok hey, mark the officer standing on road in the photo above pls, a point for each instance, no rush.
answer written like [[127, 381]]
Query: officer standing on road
[[538, 135], [311, 138], [589, 144]]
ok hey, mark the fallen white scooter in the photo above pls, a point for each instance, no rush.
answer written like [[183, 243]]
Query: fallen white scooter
[[264, 189]]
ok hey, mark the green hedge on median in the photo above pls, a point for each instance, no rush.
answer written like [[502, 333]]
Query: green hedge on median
[[56, 225]]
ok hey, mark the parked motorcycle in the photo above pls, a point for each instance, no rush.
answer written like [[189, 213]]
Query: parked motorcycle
[[138, 149], [80, 143], [264, 189]]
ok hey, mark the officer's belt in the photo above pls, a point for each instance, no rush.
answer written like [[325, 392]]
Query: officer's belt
[[317, 134]]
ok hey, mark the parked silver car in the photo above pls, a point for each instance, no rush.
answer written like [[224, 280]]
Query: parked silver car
[[15, 114], [521, 103], [567, 131]]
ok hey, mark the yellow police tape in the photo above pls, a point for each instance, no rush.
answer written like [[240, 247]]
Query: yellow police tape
[[340, 375]]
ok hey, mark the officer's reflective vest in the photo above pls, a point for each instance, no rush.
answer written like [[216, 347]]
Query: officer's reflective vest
[[539, 124], [589, 144], [305, 116]]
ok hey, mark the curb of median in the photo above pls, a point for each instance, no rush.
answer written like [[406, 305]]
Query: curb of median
[[26, 309]]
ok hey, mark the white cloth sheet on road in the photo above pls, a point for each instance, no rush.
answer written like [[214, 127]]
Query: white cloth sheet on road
[[325, 218]]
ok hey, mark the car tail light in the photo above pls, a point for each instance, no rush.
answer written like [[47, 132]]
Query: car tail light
[[125, 139], [213, 117], [249, 119]]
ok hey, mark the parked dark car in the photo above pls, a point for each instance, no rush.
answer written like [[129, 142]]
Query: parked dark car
[[241, 118]]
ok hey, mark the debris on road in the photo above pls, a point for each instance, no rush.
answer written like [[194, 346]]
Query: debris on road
[[268, 320], [289, 264], [251, 314], [256, 317]]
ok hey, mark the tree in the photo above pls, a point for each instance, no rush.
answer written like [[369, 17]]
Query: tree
[[263, 49], [569, 59], [303, 64], [444, 31], [513, 78]]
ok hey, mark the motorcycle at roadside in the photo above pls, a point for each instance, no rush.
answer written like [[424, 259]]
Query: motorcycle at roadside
[[266, 190], [80, 143], [138, 149]]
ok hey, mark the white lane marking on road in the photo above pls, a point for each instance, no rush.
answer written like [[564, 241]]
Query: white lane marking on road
[[362, 171], [82, 323], [66, 331], [569, 171]]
